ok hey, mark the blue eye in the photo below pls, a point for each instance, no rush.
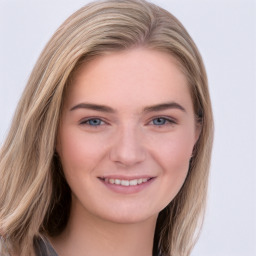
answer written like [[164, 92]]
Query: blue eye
[[159, 121], [93, 122]]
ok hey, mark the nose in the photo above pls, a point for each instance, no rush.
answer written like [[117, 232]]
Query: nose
[[127, 149]]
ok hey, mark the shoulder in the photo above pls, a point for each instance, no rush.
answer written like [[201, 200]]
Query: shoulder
[[3, 248], [43, 247]]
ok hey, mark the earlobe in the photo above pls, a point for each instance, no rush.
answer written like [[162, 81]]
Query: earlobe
[[57, 147], [198, 130]]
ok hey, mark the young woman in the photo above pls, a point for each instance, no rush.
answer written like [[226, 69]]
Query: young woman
[[109, 149]]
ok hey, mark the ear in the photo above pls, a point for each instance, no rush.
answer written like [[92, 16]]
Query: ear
[[58, 143], [198, 129]]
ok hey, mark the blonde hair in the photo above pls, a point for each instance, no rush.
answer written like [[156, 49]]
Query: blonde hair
[[34, 196]]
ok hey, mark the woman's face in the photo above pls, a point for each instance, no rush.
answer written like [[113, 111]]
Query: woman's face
[[126, 135]]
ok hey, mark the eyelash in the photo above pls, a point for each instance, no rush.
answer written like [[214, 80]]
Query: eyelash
[[87, 122], [166, 121], [99, 121]]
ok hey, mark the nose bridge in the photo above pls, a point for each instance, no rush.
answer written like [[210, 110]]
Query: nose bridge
[[127, 148]]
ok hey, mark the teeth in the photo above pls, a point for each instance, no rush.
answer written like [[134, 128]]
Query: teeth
[[126, 183], [112, 181], [117, 182], [133, 182]]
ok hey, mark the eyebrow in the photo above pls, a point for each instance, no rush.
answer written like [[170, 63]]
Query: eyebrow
[[106, 109], [164, 106], [96, 107]]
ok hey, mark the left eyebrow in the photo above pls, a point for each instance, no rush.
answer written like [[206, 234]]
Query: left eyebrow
[[164, 106], [95, 107]]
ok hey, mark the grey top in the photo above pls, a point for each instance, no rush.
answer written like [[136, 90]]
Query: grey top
[[43, 247]]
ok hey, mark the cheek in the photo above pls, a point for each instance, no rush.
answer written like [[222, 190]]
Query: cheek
[[173, 157], [76, 151], [175, 151], [176, 163]]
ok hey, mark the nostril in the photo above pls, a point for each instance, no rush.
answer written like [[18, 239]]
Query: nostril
[[127, 156], [127, 149]]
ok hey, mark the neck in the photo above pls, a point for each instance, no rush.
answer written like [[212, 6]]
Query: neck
[[89, 235]]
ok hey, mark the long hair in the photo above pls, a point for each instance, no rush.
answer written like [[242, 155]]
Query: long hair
[[34, 196]]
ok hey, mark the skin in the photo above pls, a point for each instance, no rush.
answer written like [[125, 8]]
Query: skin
[[146, 128]]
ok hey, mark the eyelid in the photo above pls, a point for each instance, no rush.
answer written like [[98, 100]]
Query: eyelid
[[169, 119], [84, 121]]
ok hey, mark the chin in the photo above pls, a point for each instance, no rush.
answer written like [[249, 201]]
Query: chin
[[131, 219], [127, 216]]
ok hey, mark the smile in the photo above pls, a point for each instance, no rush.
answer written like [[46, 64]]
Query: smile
[[126, 183]]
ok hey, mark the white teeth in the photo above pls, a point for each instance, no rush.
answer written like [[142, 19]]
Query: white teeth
[[126, 183], [117, 182], [133, 182]]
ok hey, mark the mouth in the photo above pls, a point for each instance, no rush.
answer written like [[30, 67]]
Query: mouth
[[126, 182]]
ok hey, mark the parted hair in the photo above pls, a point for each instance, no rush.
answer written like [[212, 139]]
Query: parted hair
[[35, 199]]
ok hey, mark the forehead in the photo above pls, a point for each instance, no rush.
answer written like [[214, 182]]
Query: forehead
[[129, 77]]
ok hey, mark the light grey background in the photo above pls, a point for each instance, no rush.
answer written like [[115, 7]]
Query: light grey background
[[224, 31]]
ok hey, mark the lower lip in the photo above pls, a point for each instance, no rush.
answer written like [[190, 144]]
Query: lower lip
[[128, 189]]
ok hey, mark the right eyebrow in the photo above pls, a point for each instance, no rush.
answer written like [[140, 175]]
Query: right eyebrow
[[91, 106], [164, 106]]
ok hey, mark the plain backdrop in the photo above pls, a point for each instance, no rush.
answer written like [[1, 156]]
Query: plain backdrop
[[224, 31]]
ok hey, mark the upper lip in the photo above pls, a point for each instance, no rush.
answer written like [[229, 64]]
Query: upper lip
[[122, 177]]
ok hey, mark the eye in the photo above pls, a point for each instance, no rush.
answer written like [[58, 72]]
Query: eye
[[93, 122], [160, 121]]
